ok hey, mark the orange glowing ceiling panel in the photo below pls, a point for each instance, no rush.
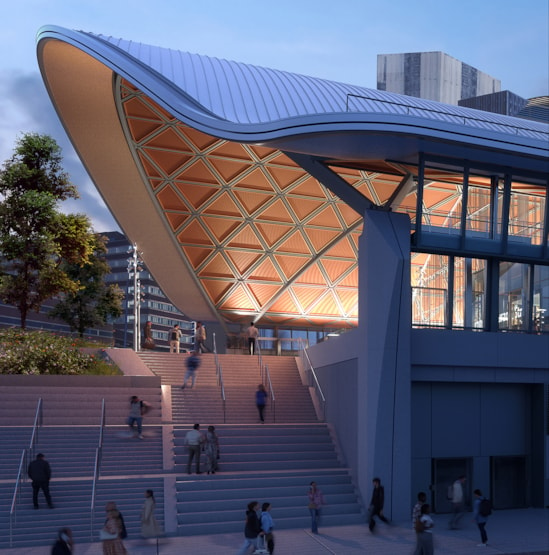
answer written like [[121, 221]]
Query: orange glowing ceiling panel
[[263, 292], [238, 299], [256, 179], [242, 260], [350, 280], [197, 255], [196, 195], [252, 200], [229, 169], [276, 212], [266, 271], [170, 200], [221, 227], [321, 238], [245, 239], [327, 305], [290, 265], [285, 304], [295, 244], [273, 233], [249, 221]]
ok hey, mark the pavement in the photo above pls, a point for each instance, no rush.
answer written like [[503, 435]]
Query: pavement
[[523, 531]]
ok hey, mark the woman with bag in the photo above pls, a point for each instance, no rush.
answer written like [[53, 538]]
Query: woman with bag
[[316, 500], [110, 534], [149, 524]]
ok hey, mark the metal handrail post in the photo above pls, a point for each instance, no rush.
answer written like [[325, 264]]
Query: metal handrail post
[[313, 381], [271, 390], [17, 493], [97, 464]]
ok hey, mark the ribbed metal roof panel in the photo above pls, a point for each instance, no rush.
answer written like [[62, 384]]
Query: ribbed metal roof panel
[[263, 98]]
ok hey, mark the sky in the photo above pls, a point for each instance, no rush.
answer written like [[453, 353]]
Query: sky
[[337, 40]]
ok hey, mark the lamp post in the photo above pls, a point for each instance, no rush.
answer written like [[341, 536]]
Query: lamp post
[[134, 267]]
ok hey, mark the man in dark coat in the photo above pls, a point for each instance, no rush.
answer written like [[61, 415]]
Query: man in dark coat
[[39, 472], [376, 504], [64, 543]]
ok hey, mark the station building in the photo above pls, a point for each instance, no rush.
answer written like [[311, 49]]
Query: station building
[[418, 228]]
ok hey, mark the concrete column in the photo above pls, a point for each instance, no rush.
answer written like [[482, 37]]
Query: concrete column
[[384, 406]]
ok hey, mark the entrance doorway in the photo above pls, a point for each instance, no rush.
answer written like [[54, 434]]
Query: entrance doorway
[[444, 473], [509, 482]]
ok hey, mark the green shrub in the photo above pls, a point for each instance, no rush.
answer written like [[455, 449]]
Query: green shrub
[[39, 352]]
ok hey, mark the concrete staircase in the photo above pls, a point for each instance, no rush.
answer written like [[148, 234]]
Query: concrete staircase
[[272, 462]]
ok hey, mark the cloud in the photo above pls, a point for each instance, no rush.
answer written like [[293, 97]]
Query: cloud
[[26, 108]]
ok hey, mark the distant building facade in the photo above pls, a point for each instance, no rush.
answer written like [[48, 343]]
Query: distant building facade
[[433, 76], [503, 102], [155, 306]]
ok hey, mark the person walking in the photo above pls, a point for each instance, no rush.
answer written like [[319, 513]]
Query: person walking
[[200, 338], [194, 440], [316, 500], [252, 333], [148, 341], [376, 504], [175, 338], [39, 471], [64, 543], [192, 363], [261, 401], [211, 450], [138, 409], [458, 502], [252, 528], [424, 530], [149, 525], [267, 525], [112, 532], [416, 515], [479, 518]]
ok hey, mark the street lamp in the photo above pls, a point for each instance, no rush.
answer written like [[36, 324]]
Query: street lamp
[[134, 267]]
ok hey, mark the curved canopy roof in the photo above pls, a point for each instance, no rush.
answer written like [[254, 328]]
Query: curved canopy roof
[[244, 186]]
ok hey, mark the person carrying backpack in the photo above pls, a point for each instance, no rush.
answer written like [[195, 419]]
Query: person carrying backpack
[[481, 510]]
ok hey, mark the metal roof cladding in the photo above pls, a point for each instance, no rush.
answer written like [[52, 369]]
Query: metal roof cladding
[[251, 101]]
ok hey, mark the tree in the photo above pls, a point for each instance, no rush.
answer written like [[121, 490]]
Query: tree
[[35, 236], [94, 302]]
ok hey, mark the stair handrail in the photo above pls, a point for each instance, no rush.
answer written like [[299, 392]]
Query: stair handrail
[[271, 391], [38, 419], [313, 381], [97, 466], [17, 493], [219, 374]]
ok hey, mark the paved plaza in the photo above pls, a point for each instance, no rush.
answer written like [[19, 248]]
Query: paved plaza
[[524, 532]]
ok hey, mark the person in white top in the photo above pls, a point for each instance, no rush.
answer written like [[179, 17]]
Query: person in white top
[[194, 440], [253, 333], [458, 503], [425, 532]]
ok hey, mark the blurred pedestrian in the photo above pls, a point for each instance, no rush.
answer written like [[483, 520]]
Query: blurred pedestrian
[[376, 504], [200, 338], [480, 518], [252, 529], [416, 515], [194, 440], [148, 341], [175, 338], [424, 530], [458, 502], [39, 472], [211, 450], [316, 500], [252, 333], [261, 401], [149, 525], [64, 543], [138, 409], [112, 532], [192, 362], [267, 525]]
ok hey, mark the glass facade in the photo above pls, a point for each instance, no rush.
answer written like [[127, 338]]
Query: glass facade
[[479, 255]]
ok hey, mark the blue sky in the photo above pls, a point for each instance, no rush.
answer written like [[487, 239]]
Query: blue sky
[[507, 39]]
